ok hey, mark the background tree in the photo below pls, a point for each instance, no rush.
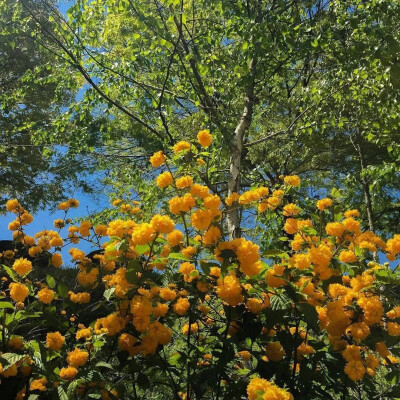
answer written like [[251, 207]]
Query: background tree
[[34, 90], [307, 74]]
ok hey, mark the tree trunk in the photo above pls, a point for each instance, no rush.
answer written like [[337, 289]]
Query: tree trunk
[[236, 150]]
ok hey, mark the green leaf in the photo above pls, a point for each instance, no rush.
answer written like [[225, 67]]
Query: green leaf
[[50, 281], [10, 273], [142, 248], [177, 256], [280, 303], [122, 245], [108, 293], [103, 364], [62, 290], [275, 253], [310, 315], [11, 358], [6, 305], [174, 359], [309, 231]]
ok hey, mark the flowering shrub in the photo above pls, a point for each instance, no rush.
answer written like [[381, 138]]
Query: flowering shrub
[[172, 308]]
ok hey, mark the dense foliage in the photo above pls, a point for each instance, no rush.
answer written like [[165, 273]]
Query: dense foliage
[[172, 308], [34, 91]]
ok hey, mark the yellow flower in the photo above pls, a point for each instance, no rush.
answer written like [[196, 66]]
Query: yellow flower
[[111, 325], [162, 224], [201, 219], [351, 213], [16, 343], [143, 233], [34, 250], [182, 306], [257, 386], [84, 228], [126, 342], [199, 191], [56, 260], [244, 355], [54, 340], [211, 236], [204, 138], [77, 358], [290, 210], [181, 146], [324, 203], [79, 298], [157, 159], [83, 333], [215, 271], [167, 294], [12, 205], [174, 238], [334, 229], [274, 351], [160, 310], [231, 199], [22, 266], [292, 180], [355, 370], [46, 295], [39, 384], [347, 256], [212, 202], [230, 290], [68, 374], [181, 204], [18, 291], [184, 182], [164, 179], [59, 223], [193, 328]]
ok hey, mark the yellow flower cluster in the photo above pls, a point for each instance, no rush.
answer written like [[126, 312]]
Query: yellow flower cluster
[[157, 159], [70, 203], [22, 266], [247, 254], [54, 340], [204, 138], [259, 388], [77, 358]]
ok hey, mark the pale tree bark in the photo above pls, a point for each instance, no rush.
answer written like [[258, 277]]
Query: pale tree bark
[[365, 187], [236, 150]]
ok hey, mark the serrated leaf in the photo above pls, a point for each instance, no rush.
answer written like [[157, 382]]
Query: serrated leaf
[[279, 303], [11, 358]]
